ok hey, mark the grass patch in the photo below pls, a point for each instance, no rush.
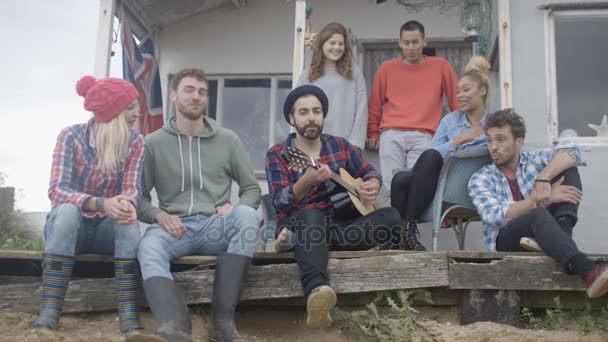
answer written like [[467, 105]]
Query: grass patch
[[588, 320], [13, 230], [399, 323], [15, 235], [26, 244]]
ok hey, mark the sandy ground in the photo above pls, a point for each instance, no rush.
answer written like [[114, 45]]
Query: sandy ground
[[274, 325]]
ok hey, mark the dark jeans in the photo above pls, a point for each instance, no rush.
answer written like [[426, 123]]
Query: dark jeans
[[316, 233], [413, 191], [542, 224]]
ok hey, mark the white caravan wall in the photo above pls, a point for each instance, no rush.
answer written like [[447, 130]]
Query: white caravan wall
[[258, 39], [529, 98]]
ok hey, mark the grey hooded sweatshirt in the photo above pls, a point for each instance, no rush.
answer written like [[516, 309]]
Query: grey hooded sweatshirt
[[193, 175]]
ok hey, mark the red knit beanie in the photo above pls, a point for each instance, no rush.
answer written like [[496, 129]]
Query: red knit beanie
[[106, 97]]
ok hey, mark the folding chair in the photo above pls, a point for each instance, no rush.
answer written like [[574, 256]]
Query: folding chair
[[452, 201]]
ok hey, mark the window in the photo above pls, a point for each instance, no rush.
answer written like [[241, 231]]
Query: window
[[457, 53], [281, 127], [577, 73], [246, 111], [252, 107]]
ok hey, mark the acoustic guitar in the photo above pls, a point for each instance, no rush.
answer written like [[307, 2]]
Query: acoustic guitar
[[301, 160]]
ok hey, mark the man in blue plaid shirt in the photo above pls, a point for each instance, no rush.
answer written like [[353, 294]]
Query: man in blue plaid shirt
[[529, 200]]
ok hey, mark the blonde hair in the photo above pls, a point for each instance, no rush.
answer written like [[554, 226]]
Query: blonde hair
[[112, 142], [478, 69], [344, 66]]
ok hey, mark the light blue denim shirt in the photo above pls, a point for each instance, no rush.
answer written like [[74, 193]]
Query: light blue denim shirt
[[451, 126]]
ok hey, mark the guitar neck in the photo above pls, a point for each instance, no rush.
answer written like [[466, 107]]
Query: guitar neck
[[302, 161]]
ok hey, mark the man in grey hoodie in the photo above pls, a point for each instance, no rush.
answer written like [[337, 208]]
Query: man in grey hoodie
[[191, 162]]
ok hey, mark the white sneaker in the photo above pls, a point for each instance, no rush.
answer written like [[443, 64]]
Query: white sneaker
[[530, 244], [320, 302], [284, 242]]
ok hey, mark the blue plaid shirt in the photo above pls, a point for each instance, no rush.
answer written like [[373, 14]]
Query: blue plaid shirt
[[492, 196]]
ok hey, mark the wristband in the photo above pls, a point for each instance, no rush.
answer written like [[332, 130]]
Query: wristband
[[99, 204], [541, 180]]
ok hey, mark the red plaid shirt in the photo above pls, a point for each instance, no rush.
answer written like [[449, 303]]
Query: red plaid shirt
[[336, 152], [75, 176]]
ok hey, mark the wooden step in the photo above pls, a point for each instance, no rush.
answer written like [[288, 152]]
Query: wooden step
[[355, 275]]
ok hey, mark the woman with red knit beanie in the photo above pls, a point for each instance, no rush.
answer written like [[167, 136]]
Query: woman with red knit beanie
[[94, 190]]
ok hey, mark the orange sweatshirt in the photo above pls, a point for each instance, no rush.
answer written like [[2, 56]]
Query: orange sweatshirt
[[410, 96]]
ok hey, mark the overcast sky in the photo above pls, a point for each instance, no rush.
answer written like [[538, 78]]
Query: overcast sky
[[47, 47]]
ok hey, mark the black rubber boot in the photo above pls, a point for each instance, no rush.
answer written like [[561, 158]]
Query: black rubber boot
[[230, 274], [169, 308]]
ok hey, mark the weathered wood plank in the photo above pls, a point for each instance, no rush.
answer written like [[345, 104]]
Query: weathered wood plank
[[567, 299], [261, 257], [472, 256], [11, 280], [269, 257], [440, 296], [381, 273], [288, 257], [513, 273], [16, 254], [35, 255]]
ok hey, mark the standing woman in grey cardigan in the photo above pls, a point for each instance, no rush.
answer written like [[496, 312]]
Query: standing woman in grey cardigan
[[332, 69]]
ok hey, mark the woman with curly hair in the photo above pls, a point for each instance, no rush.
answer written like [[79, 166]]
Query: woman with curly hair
[[462, 130]]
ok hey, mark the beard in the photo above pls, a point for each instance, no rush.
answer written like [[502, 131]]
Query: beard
[[311, 131], [190, 113], [504, 160]]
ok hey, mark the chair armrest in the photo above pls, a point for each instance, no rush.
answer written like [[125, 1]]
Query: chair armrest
[[469, 154]]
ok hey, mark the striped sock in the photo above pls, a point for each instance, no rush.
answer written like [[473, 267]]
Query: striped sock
[[127, 282], [56, 274]]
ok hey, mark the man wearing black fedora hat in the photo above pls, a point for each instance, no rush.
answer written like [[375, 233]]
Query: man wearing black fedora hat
[[302, 196]]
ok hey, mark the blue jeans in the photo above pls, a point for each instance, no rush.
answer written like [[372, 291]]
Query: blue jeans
[[235, 233], [67, 233]]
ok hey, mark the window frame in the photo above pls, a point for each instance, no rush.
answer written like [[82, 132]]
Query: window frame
[[551, 74], [366, 45], [219, 110]]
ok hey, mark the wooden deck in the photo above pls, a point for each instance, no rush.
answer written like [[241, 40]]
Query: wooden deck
[[356, 276]]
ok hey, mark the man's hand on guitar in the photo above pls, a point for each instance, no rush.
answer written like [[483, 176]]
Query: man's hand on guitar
[[317, 176], [368, 190]]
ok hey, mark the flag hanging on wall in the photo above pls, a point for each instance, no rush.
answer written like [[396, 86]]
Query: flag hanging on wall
[[140, 68]]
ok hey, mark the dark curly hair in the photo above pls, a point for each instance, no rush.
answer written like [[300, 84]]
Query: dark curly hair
[[507, 117]]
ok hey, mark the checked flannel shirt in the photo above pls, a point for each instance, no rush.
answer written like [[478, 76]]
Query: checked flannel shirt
[[75, 176], [336, 152], [491, 195]]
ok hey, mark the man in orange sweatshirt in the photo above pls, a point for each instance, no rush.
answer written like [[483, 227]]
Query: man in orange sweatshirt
[[406, 102]]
